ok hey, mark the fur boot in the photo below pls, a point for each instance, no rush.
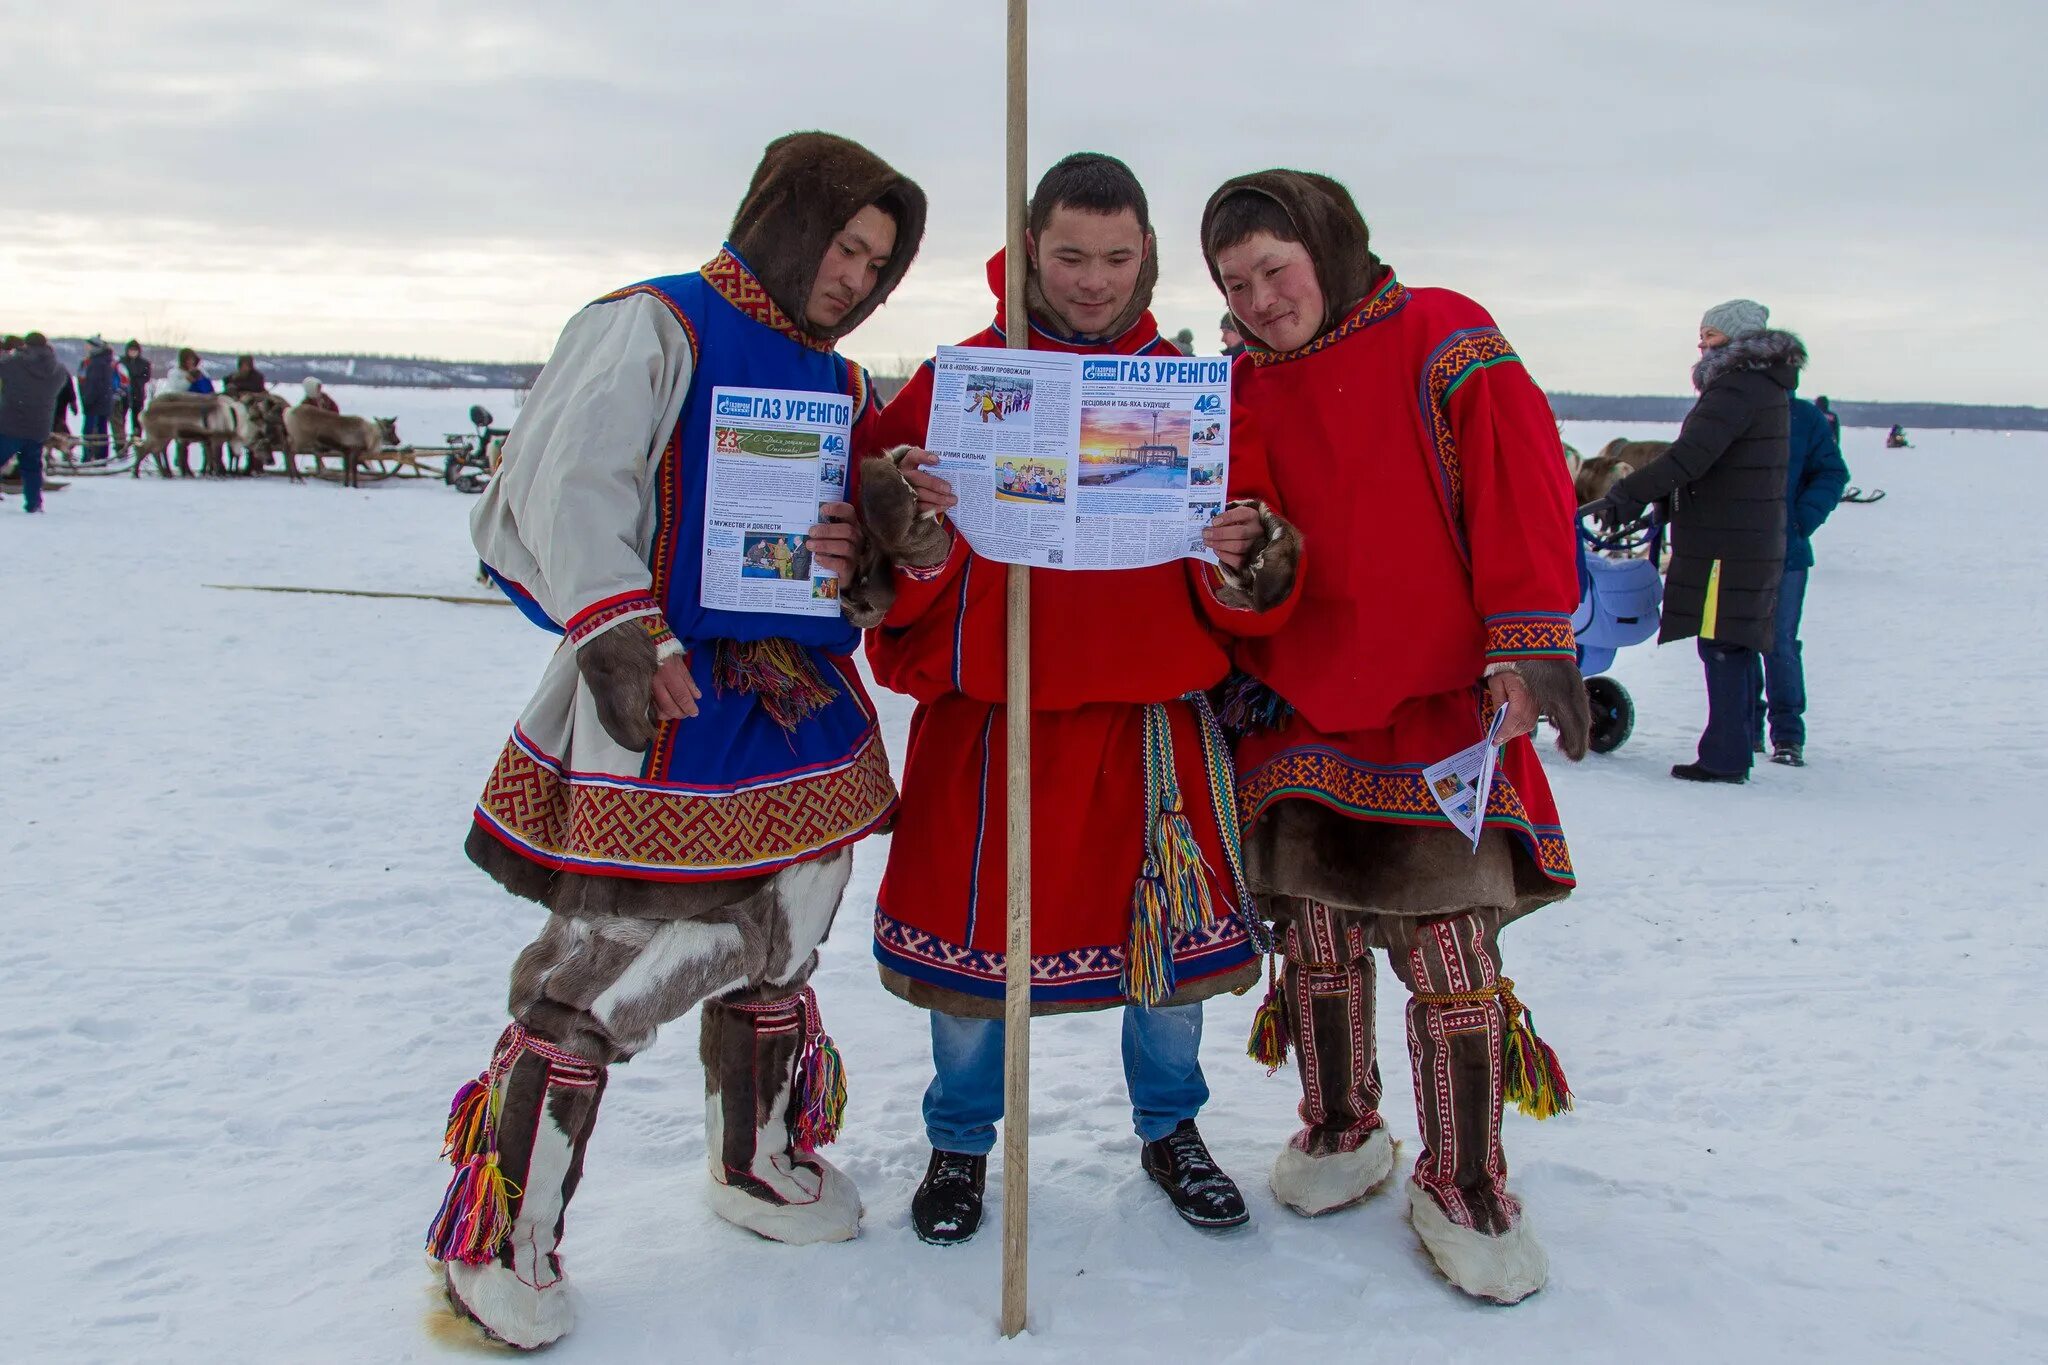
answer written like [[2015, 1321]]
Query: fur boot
[[773, 1089], [1342, 1154], [517, 1135], [1268, 575], [1457, 1031]]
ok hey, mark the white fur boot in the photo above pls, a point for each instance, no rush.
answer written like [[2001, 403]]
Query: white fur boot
[[761, 1179], [1503, 1269], [1312, 1185], [528, 1118]]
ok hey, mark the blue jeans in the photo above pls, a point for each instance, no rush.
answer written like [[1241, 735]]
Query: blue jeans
[[1162, 1069], [1725, 748], [1780, 678], [30, 454]]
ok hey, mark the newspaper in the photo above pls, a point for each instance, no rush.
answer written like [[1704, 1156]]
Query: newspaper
[[1462, 783], [776, 455], [1068, 461]]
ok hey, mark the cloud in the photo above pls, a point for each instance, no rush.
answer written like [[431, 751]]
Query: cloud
[[459, 177]]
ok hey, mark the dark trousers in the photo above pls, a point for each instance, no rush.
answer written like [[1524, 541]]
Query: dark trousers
[[1731, 707], [1780, 686], [30, 454], [94, 446]]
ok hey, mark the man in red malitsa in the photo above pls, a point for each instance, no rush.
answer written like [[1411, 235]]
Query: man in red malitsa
[[1135, 898], [1423, 467], [684, 789]]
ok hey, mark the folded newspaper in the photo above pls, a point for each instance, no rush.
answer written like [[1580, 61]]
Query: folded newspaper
[[1462, 783], [1068, 461], [777, 455]]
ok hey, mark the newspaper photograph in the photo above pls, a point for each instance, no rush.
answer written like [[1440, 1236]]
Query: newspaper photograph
[[777, 456], [1082, 462]]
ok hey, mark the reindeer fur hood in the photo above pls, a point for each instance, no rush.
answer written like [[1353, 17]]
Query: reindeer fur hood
[[805, 189], [1332, 230]]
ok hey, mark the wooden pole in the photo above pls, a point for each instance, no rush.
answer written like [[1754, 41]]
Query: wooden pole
[[1017, 692]]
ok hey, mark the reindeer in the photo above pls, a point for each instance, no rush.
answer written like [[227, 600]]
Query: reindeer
[[355, 439], [214, 420], [266, 413]]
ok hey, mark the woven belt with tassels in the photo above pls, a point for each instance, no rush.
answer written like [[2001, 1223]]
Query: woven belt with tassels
[[1172, 897], [1535, 1081]]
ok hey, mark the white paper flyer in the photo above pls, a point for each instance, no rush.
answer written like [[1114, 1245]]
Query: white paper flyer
[[1071, 461], [776, 456], [1462, 783]]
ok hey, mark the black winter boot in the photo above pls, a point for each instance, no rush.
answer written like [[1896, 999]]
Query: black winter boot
[[1201, 1193], [947, 1206]]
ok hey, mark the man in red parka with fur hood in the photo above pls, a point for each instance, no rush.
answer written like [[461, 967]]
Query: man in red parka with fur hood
[[1423, 467], [1134, 851]]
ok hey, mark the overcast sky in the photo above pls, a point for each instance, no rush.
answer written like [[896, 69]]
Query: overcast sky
[[450, 178]]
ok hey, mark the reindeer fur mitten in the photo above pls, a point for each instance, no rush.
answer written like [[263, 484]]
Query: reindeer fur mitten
[[1268, 575], [618, 666], [1560, 693], [896, 532]]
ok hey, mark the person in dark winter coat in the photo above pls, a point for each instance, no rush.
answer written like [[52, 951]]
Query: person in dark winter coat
[[1814, 480], [1725, 479], [1233, 340], [96, 392], [135, 368], [1834, 422], [31, 380], [246, 379]]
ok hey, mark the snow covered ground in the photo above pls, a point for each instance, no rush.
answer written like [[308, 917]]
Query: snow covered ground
[[247, 965]]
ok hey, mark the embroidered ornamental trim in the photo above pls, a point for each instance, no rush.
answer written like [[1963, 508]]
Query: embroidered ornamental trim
[[1461, 355], [614, 827], [1388, 300], [1194, 955], [599, 616], [737, 285], [1396, 794], [1530, 635]]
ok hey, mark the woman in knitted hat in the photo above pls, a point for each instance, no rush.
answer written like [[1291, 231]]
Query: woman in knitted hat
[[1725, 479]]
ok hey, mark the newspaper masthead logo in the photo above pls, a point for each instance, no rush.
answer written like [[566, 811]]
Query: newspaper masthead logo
[[733, 405], [1093, 371]]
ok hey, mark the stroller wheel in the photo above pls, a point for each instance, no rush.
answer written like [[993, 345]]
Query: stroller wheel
[[1614, 714]]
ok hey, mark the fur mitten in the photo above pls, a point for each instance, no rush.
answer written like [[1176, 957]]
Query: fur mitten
[[897, 532], [1268, 575], [1560, 694], [618, 666]]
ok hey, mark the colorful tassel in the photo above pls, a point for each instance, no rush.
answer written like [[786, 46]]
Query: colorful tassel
[[779, 672], [472, 1118], [817, 1099], [1245, 706], [1535, 1082], [1269, 1041], [1171, 898], [475, 1215]]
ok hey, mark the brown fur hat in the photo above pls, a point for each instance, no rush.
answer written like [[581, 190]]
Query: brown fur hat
[[806, 188], [1327, 223]]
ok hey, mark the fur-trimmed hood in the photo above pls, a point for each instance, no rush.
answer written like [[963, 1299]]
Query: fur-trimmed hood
[[1135, 322], [805, 189], [1780, 355], [1331, 228]]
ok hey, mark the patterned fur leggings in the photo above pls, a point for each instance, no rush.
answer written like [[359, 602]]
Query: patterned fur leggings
[[1455, 1049]]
